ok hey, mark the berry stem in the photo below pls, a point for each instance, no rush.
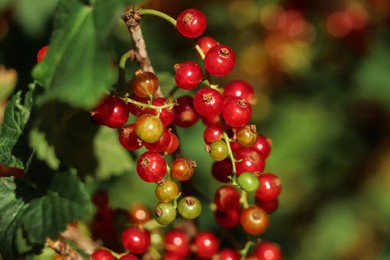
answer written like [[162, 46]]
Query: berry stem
[[158, 14], [227, 140], [127, 55], [245, 250], [147, 105], [200, 51], [244, 199]]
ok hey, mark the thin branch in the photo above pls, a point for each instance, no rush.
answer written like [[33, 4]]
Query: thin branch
[[132, 19], [62, 248]]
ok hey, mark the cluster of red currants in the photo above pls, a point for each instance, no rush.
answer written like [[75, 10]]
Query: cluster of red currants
[[238, 150]]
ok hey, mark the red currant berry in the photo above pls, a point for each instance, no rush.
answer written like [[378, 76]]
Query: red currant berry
[[212, 133], [164, 213], [211, 120], [266, 250], [205, 43], [254, 220], [151, 166], [248, 160], [42, 53], [227, 198], [241, 89], [229, 254], [161, 145], [139, 213], [247, 135], [111, 111], [100, 198], [102, 254], [248, 181], [145, 84], [189, 207], [222, 169], [270, 187], [149, 128], [166, 191], [176, 242], [136, 240], [173, 144], [191, 23], [227, 219], [208, 102], [269, 206], [263, 146], [220, 60], [167, 114], [188, 75], [218, 150], [237, 112], [129, 138], [206, 244], [182, 169], [185, 113], [128, 257]]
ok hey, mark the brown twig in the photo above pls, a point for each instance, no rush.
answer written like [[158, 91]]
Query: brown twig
[[62, 248], [132, 19]]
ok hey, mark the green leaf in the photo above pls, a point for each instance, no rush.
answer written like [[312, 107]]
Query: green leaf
[[14, 151], [41, 211], [78, 67]]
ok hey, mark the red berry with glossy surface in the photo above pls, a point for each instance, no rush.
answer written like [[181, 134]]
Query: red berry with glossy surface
[[136, 109], [247, 135], [269, 206], [42, 53], [220, 60], [173, 144], [237, 112], [269, 188], [139, 213], [161, 145], [151, 166], [212, 133], [145, 84], [128, 257], [111, 111], [176, 242], [102, 254], [241, 89], [182, 169], [248, 160], [229, 254], [128, 138], [188, 75], [208, 102], [167, 114], [149, 128], [191, 23], [206, 244], [254, 220], [227, 197], [205, 43], [185, 112], [136, 240], [266, 250], [263, 145]]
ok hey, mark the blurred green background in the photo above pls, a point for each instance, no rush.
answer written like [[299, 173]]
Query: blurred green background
[[321, 71]]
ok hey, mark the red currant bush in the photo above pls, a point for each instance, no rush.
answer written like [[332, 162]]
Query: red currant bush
[[191, 23], [220, 60]]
